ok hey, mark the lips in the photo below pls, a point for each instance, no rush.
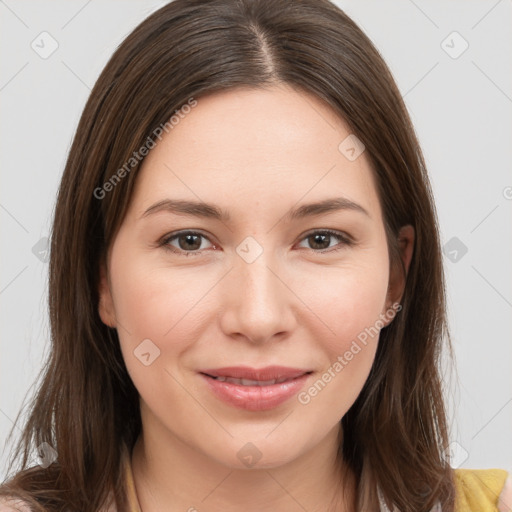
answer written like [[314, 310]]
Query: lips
[[253, 376], [255, 389]]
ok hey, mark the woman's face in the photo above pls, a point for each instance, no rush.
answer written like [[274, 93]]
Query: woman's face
[[260, 285]]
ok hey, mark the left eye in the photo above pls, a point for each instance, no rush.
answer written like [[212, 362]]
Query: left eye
[[189, 242], [321, 237]]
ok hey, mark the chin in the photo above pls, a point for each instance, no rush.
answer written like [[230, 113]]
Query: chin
[[258, 453]]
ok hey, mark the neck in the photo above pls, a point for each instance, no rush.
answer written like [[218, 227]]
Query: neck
[[172, 475]]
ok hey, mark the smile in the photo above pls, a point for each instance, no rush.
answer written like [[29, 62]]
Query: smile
[[256, 393]]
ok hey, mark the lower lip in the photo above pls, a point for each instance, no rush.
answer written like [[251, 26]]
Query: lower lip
[[255, 398]]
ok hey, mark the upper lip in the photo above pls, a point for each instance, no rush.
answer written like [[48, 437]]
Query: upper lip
[[260, 374]]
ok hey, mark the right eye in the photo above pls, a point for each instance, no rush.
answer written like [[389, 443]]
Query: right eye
[[188, 242]]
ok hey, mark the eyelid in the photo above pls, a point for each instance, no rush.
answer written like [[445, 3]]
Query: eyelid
[[345, 237]]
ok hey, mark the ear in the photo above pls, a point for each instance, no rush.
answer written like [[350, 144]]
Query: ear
[[106, 304], [398, 272]]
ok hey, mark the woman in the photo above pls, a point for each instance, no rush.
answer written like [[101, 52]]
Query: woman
[[246, 288]]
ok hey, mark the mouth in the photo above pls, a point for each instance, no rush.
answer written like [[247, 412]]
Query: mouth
[[255, 390], [249, 382], [268, 374]]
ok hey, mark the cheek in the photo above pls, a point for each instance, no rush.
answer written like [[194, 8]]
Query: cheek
[[157, 322], [349, 307], [352, 315], [157, 311], [348, 303], [154, 302]]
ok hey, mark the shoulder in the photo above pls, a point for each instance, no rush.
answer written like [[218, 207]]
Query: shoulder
[[17, 505], [483, 490], [13, 505], [505, 501]]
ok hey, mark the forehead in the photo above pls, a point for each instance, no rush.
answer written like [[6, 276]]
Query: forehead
[[269, 146]]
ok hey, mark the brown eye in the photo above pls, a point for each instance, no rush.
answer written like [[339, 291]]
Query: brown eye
[[320, 241], [186, 242]]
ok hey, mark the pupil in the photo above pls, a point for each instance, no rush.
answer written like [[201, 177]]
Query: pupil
[[324, 237], [190, 238]]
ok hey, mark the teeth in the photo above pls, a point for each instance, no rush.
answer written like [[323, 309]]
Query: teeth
[[267, 382], [248, 382]]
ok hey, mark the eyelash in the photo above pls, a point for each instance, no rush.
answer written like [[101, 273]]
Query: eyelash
[[346, 241]]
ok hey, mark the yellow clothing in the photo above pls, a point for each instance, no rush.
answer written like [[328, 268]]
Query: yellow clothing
[[477, 490]]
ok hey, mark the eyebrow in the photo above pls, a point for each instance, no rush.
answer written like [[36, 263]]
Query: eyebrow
[[211, 211]]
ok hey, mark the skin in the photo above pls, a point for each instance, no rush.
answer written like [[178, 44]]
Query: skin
[[256, 154]]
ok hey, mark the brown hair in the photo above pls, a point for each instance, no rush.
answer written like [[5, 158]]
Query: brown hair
[[86, 407]]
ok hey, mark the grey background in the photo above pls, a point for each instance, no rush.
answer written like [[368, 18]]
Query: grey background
[[461, 108]]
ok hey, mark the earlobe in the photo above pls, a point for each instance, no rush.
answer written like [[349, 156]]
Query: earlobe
[[398, 273], [106, 304]]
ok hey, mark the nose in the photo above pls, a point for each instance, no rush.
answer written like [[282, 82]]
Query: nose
[[258, 303]]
